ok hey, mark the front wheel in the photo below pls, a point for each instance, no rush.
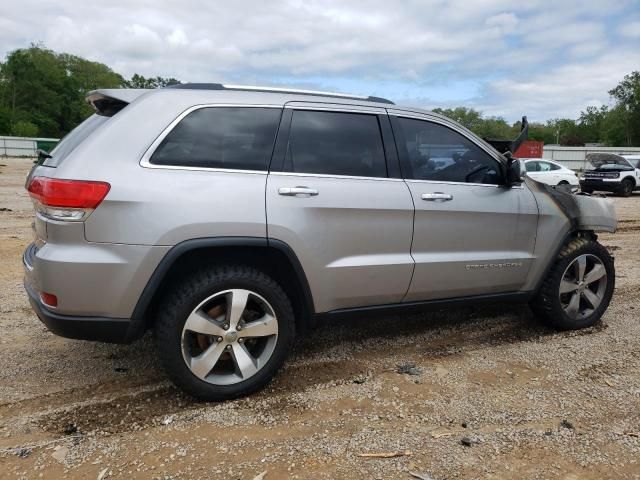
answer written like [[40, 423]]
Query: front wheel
[[579, 287], [224, 332], [626, 188]]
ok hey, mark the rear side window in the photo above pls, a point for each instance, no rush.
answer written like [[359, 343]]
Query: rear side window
[[239, 138], [335, 143]]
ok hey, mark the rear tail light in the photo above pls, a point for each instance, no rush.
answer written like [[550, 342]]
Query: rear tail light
[[70, 200]]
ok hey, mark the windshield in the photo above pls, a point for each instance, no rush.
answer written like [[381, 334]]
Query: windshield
[[74, 138]]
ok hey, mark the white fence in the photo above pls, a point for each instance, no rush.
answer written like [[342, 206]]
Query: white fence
[[574, 157], [21, 146]]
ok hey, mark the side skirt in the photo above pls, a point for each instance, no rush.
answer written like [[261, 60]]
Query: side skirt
[[429, 305]]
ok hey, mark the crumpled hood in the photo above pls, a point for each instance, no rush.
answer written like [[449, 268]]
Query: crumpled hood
[[600, 159]]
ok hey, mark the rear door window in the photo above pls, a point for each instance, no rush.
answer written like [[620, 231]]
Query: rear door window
[[237, 138], [532, 166], [335, 143], [547, 167]]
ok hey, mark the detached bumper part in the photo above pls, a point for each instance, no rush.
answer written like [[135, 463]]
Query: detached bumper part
[[101, 329]]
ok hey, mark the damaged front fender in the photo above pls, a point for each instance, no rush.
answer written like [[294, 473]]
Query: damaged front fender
[[596, 213], [584, 212]]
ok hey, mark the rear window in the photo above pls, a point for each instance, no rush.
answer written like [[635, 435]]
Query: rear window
[[74, 138], [238, 138]]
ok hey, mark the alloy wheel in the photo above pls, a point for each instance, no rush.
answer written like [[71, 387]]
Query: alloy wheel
[[583, 286], [229, 336]]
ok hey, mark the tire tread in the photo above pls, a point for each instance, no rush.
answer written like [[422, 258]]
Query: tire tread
[[169, 322], [546, 304]]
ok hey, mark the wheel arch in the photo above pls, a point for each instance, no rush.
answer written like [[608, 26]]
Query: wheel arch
[[630, 178], [568, 238], [274, 257]]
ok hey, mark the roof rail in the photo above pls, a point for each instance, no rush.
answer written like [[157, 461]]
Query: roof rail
[[252, 88]]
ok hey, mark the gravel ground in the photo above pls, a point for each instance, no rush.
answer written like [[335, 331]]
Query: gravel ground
[[469, 393]]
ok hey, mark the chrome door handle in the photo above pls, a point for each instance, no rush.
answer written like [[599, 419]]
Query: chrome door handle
[[437, 197], [294, 191]]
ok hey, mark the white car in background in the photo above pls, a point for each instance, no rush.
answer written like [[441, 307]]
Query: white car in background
[[551, 173]]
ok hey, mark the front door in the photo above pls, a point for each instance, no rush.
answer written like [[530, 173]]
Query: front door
[[472, 235]]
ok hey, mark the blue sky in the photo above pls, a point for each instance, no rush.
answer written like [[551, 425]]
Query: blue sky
[[505, 58]]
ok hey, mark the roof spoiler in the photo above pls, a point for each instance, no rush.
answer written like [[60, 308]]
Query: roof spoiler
[[109, 101], [511, 146]]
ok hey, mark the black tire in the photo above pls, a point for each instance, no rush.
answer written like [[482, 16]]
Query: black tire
[[547, 304], [193, 290], [626, 187], [586, 190]]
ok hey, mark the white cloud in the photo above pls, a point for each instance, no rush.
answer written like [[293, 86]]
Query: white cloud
[[177, 38], [427, 44], [504, 22], [560, 92], [631, 29]]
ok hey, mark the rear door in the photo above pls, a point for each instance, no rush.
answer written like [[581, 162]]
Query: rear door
[[335, 197], [472, 236]]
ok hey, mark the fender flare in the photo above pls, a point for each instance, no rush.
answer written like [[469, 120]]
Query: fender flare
[[138, 324]]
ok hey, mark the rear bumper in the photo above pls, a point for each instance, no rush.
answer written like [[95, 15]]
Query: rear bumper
[[97, 287], [112, 330], [91, 279]]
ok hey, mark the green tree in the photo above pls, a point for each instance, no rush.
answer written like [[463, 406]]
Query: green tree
[[24, 129], [82, 77], [614, 127], [138, 81], [627, 96], [467, 117], [566, 131], [47, 89], [539, 132], [32, 82], [591, 123], [494, 128]]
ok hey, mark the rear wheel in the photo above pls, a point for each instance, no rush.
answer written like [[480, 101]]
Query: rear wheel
[[626, 187], [578, 289], [225, 332], [586, 190]]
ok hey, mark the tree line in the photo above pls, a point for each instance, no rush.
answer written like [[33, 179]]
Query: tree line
[[42, 94]]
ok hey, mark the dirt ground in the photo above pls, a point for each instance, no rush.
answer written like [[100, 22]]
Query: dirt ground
[[480, 393]]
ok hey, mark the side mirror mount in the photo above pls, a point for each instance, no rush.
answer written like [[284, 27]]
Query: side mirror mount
[[516, 170]]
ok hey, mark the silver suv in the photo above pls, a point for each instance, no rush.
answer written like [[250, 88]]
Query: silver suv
[[230, 219]]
